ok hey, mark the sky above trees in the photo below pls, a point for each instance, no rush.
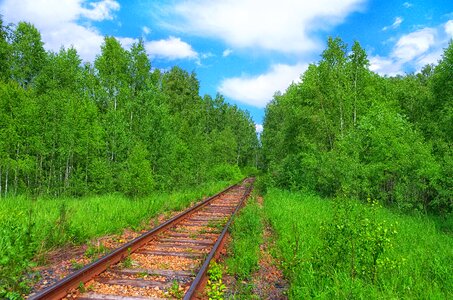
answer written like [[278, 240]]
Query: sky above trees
[[245, 49]]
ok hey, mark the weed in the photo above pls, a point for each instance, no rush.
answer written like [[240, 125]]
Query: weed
[[247, 233], [127, 262], [82, 288], [345, 249], [175, 290], [94, 251], [76, 265], [217, 224], [215, 287]]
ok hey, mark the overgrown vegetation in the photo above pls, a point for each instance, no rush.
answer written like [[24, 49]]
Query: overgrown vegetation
[[346, 131], [30, 227], [247, 234], [215, 288], [244, 249], [345, 249]]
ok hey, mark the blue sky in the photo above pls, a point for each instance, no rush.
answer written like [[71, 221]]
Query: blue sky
[[245, 49]]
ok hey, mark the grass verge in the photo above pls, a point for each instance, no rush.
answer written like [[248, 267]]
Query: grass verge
[[344, 249], [29, 227], [244, 249]]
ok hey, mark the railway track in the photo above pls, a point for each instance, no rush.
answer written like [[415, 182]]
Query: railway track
[[169, 261]]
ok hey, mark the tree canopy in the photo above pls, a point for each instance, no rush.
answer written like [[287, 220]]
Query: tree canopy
[[68, 128], [346, 131]]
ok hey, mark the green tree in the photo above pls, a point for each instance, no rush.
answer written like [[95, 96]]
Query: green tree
[[28, 56]]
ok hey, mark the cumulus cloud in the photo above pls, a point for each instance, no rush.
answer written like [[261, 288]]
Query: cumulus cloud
[[385, 66], [101, 10], [284, 26], [259, 90], [395, 25], [414, 44], [449, 28], [57, 21], [414, 50], [171, 48]]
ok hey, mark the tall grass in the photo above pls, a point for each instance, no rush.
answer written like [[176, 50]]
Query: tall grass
[[247, 236], [29, 227], [415, 264]]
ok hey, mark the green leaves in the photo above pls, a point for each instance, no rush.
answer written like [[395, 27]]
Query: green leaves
[[73, 129], [344, 131]]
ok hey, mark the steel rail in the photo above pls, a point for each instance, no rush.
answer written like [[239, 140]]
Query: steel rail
[[61, 288], [200, 279]]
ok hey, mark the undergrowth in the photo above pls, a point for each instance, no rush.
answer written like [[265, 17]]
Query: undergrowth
[[344, 249], [244, 249], [29, 227]]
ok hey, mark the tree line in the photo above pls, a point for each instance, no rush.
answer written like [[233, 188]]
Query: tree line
[[73, 128], [346, 131]]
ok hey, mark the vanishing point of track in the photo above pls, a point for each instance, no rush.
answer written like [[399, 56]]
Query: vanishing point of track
[[170, 260]]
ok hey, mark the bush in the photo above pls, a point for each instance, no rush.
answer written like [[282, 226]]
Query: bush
[[225, 172]]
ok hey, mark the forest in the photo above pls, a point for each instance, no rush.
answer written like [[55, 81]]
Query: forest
[[346, 131], [73, 128]]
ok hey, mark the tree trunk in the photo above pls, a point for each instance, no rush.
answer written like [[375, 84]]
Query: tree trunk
[[66, 175], [6, 182], [16, 171]]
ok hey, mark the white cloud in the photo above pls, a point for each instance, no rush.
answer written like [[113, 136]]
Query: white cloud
[[414, 50], [171, 48], [284, 26], [146, 30], [431, 57], [259, 90], [207, 55], [101, 10], [385, 66], [227, 52], [395, 25], [414, 44], [449, 28], [407, 4], [57, 22], [259, 128], [126, 42]]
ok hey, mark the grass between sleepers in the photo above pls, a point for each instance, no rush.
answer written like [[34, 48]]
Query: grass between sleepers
[[30, 227], [244, 249], [345, 249]]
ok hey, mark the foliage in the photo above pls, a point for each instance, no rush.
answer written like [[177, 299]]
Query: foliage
[[354, 242], [345, 249], [345, 131], [215, 287], [73, 129], [247, 231]]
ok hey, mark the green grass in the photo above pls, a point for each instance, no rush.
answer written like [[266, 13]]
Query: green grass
[[416, 261], [246, 235], [30, 227]]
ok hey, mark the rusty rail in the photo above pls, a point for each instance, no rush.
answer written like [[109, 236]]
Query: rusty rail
[[200, 279], [62, 288]]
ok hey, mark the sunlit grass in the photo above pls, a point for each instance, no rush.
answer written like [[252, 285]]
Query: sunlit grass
[[29, 227], [421, 252], [247, 231]]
